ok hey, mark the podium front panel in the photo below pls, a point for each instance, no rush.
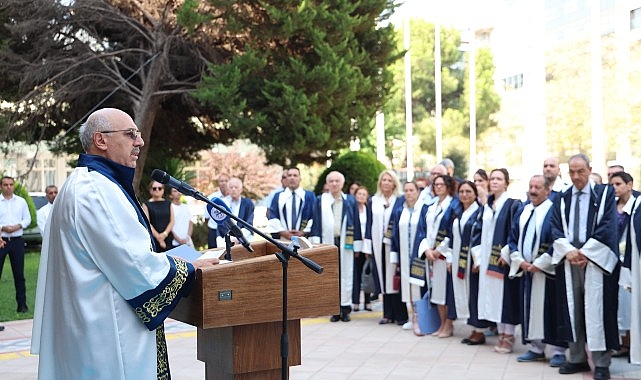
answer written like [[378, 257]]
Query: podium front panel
[[249, 289]]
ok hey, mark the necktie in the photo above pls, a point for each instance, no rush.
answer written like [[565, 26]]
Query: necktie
[[294, 212], [529, 237], [577, 217]]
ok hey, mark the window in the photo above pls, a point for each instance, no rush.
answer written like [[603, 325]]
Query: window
[[635, 19], [513, 82]]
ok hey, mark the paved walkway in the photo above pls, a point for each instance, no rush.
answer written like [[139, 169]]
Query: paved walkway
[[360, 349]]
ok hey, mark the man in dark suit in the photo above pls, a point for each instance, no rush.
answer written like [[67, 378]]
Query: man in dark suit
[[586, 255], [291, 211], [240, 206]]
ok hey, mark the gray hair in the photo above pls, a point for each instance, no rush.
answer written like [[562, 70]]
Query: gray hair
[[95, 122], [582, 157], [449, 164]]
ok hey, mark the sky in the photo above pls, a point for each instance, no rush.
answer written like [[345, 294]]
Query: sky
[[457, 13]]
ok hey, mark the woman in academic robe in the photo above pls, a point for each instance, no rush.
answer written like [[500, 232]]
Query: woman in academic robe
[[434, 248], [378, 232], [499, 296], [408, 232], [465, 276], [623, 183], [361, 195], [630, 280], [482, 183]]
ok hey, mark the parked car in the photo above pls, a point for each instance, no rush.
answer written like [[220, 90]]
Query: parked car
[[32, 235]]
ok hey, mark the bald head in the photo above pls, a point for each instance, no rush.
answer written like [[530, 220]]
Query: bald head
[[112, 133], [551, 169]]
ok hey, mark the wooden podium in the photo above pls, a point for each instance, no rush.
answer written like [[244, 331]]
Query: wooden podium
[[237, 308]]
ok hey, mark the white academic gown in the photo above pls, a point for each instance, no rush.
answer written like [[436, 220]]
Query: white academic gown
[[410, 292], [544, 263], [346, 254], [433, 219], [630, 279], [41, 217], [378, 245], [461, 287], [490, 302], [83, 327]]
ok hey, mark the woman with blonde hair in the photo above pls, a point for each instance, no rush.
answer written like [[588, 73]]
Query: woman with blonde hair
[[377, 243]]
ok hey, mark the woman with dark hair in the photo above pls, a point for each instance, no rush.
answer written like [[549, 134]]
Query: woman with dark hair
[[499, 296], [361, 195], [434, 247], [465, 275], [161, 216], [482, 183], [623, 184], [351, 189]]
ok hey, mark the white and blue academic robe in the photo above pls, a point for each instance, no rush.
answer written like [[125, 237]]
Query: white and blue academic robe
[[406, 237], [459, 245], [244, 210], [498, 299], [538, 295], [601, 273], [350, 240], [102, 293], [630, 280], [438, 227], [280, 211], [377, 229]]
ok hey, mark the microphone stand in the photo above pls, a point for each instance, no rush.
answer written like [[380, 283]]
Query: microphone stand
[[228, 245], [286, 252]]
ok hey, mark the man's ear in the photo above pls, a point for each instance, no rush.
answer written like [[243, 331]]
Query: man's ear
[[99, 141]]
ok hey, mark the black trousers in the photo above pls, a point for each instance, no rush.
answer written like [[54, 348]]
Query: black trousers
[[359, 262], [212, 234], [14, 247]]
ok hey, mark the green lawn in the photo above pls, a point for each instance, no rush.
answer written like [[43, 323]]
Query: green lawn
[[8, 292]]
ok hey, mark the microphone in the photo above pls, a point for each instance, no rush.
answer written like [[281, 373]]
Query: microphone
[[223, 219], [164, 178]]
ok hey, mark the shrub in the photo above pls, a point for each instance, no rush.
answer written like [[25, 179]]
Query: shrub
[[355, 166], [21, 191]]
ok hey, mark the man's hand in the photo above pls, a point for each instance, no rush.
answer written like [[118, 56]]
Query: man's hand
[[576, 257], [204, 263]]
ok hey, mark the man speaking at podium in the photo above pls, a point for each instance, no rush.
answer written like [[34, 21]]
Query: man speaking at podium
[[103, 293]]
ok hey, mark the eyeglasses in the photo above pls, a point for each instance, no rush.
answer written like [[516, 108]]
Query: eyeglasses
[[131, 132], [439, 184], [156, 188]]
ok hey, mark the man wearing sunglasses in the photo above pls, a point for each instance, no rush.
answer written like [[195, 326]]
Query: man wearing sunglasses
[[103, 293]]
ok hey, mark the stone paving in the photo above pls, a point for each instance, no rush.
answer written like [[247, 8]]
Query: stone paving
[[360, 349]]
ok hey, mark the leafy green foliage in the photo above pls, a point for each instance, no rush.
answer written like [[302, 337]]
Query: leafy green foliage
[[362, 167], [21, 191], [308, 81]]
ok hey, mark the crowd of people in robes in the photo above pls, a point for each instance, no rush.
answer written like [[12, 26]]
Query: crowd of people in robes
[[562, 263], [558, 263]]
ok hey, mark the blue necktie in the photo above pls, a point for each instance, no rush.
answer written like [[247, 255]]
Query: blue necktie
[[577, 217], [294, 212]]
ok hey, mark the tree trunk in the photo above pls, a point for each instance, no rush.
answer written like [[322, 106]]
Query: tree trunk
[[147, 106]]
